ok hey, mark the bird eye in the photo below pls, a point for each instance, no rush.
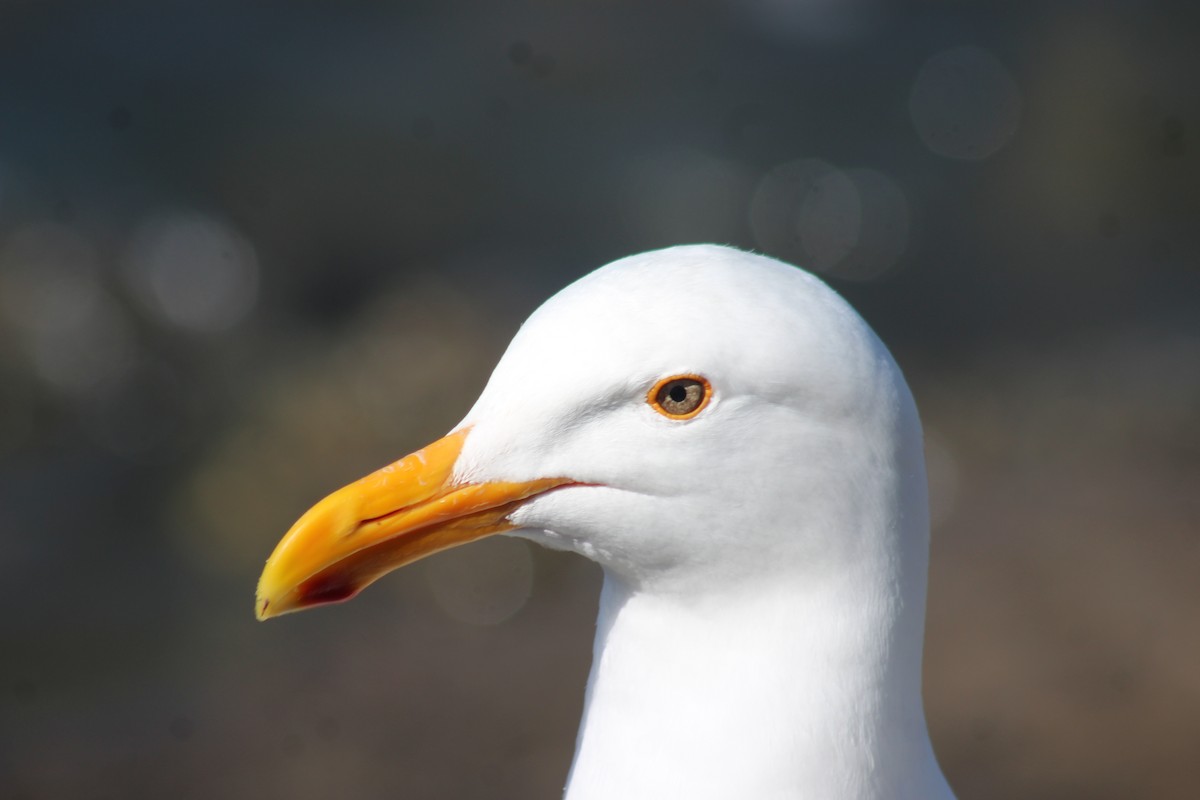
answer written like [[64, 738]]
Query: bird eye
[[680, 397]]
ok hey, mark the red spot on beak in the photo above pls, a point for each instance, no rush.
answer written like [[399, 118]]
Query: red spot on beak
[[320, 590]]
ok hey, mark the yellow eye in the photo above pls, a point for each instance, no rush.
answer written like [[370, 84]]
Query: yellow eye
[[680, 397]]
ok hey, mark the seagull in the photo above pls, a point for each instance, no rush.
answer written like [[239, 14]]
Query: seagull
[[739, 452]]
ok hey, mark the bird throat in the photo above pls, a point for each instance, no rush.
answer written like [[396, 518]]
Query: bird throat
[[773, 693]]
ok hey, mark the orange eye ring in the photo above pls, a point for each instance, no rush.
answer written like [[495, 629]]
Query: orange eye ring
[[680, 396]]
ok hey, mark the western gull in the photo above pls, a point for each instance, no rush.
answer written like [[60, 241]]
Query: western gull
[[736, 448]]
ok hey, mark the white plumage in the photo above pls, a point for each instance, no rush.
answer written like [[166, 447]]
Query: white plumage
[[762, 615], [765, 560]]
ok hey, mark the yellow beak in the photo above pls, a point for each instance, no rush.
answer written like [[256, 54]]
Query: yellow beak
[[392, 517]]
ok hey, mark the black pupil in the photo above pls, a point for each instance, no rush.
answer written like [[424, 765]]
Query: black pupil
[[678, 393]]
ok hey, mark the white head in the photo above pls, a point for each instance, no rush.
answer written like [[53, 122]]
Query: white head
[[810, 430], [803, 460]]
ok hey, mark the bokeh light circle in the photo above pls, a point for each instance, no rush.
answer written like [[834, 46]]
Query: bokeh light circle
[[194, 271], [75, 334], [850, 224], [964, 104], [884, 227], [486, 583]]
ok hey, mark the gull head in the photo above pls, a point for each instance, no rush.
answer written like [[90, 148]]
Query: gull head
[[693, 419]]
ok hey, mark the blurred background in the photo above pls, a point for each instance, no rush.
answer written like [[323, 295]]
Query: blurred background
[[250, 251]]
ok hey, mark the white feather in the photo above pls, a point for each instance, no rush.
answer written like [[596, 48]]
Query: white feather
[[761, 623]]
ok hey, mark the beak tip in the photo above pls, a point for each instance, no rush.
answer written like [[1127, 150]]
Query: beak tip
[[260, 609], [313, 592]]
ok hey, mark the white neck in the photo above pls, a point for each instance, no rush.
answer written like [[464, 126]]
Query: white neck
[[780, 691]]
